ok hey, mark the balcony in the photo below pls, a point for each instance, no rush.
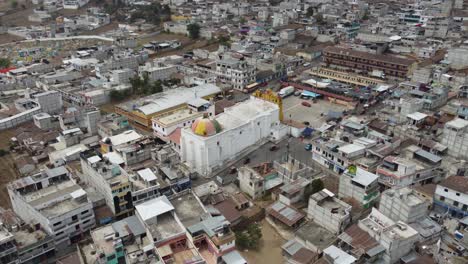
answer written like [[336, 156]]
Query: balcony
[[221, 240]]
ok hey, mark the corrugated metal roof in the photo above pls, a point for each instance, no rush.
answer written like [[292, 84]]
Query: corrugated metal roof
[[427, 155]]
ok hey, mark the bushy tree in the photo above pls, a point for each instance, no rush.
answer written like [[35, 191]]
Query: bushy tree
[[310, 11], [249, 238], [194, 30], [4, 63], [316, 186]]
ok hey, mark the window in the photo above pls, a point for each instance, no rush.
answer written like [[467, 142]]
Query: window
[[464, 207], [455, 203], [77, 227], [58, 223], [458, 194], [74, 218], [217, 143], [442, 198], [445, 190]]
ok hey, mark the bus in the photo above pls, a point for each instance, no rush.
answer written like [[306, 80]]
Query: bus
[[251, 87]]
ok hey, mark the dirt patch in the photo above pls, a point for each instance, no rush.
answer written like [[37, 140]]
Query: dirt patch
[[101, 30], [8, 174], [19, 17], [270, 247], [7, 38]]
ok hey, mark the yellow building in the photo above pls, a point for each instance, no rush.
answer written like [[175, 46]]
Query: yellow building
[[141, 111], [180, 18]]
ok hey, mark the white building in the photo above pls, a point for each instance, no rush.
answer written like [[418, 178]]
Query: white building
[[211, 142], [457, 57], [235, 72], [363, 186], [451, 196], [196, 108], [122, 76], [334, 255], [53, 201], [397, 238], [108, 179], [455, 137], [158, 72], [328, 211], [74, 4], [403, 205]]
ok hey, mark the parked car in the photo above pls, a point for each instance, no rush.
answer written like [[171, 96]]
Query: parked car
[[304, 103], [274, 148], [232, 170], [308, 147]]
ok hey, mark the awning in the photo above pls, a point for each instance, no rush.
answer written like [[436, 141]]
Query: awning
[[307, 132]]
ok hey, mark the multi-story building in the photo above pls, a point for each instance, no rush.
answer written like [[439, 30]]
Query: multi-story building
[[336, 155], [397, 238], [455, 137], [258, 180], [9, 252], [74, 4], [367, 62], [235, 72], [436, 27], [85, 118], [141, 111], [213, 235], [158, 72], [123, 241], [109, 179], [165, 125], [112, 125], [53, 201], [403, 205], [451, 196], [167, 232], [30, 245], [361, 185], [328, 211], [422, 169]]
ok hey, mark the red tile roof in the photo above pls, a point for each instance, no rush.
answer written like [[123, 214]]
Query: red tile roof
[[457, 183], [175, 136]]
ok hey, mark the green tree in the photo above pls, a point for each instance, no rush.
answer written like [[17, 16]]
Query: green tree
[[366, 15], [249, 238], [242, 240], [194, 30], [4, 63], [14, 4], [224, 40], [254, 231], [310, 11], [319, 18], [316, 186], [242, 20]]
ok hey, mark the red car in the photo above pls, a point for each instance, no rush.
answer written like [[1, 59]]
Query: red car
[[304, 103]]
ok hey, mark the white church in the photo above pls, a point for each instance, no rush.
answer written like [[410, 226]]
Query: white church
[[210, 143]]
